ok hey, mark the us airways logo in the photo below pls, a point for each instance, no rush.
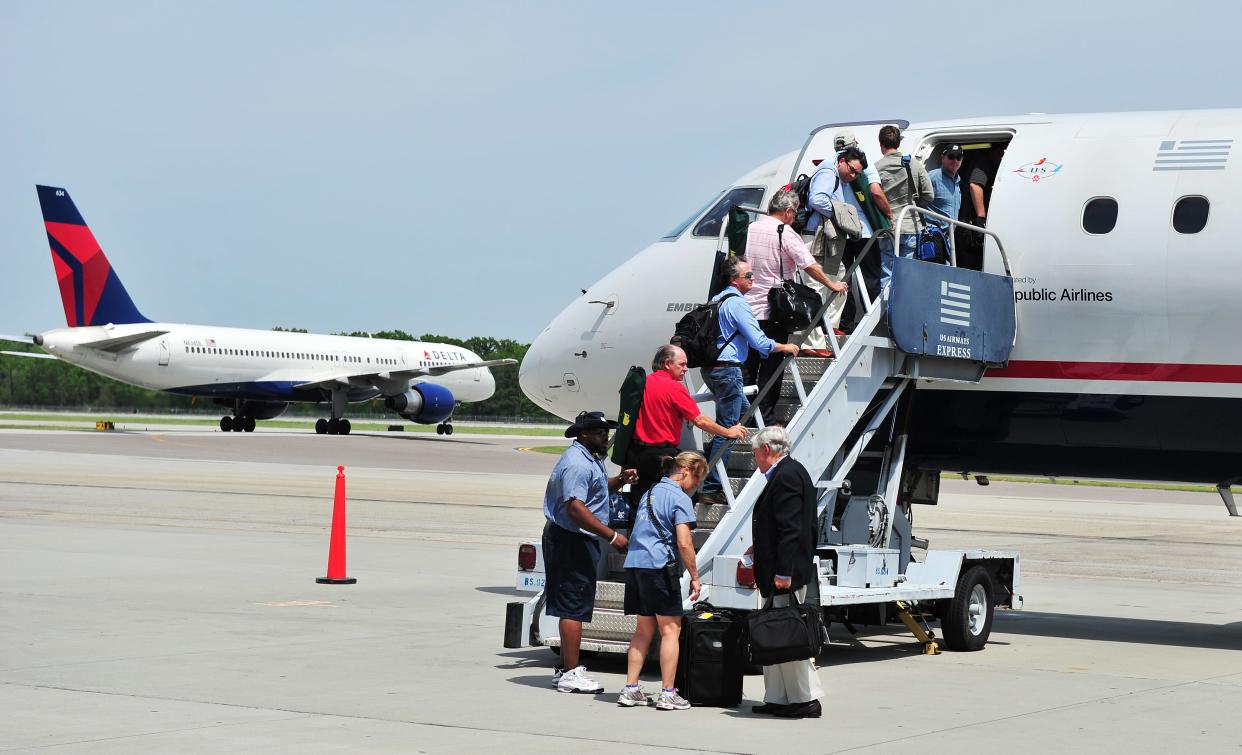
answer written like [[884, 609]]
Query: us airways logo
[[954, 304]]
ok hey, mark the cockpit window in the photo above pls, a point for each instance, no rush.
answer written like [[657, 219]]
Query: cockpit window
[[711, 223], [683, 225]]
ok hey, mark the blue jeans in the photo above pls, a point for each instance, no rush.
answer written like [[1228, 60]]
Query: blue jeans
[[725, 383], [909, 245]]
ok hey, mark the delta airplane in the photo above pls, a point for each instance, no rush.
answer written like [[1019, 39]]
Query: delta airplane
[[1122, 239], [257, 373]]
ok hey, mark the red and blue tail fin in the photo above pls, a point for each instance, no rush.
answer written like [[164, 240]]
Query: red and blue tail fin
[[89, 287]]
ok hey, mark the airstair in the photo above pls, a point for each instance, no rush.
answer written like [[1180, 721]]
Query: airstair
[[845, 418]]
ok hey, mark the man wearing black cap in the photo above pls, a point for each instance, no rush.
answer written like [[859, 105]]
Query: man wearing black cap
[[576, 507], [947, 184]]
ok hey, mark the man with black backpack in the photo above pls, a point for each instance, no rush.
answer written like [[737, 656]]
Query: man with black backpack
[[739, 333]]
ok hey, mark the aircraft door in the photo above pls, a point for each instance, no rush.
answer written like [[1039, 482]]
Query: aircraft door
[[164, 353], [819, 145]]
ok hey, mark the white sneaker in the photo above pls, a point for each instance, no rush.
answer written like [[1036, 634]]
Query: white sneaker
[[670, 700], [631, 696], [557, 673], [576, 680]]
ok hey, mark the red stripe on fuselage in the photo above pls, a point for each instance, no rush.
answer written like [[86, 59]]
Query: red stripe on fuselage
[[1134, 371], [81, 243]]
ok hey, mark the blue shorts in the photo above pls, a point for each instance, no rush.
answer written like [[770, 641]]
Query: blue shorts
[[648, 593], [570, 560]]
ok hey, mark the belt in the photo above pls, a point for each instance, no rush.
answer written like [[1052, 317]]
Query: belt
[[718, 365]]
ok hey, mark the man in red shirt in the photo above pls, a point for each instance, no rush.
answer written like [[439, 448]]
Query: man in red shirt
[[666, 405]]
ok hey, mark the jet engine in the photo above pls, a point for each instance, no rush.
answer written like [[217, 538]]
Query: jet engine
[[427, 403]]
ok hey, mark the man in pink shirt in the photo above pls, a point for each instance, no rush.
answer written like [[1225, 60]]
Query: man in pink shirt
[[773, 248]]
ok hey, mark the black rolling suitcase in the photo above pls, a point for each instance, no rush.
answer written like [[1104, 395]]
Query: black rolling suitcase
[[711, 664]]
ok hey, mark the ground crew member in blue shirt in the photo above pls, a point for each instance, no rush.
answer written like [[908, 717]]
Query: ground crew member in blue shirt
[[739, 333], [576, 507]]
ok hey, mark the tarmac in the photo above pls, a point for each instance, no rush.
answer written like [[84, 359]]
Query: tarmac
[[160, 596]]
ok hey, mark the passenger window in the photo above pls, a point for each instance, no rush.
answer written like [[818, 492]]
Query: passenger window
[[1190, 214], [711, 223], [1100, 215]]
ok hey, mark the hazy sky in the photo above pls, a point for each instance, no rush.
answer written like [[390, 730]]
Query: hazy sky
[[465, 168]]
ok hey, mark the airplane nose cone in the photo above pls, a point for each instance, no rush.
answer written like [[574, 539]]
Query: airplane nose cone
[[531, 377]]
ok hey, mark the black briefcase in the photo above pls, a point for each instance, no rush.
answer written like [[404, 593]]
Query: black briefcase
[[711, 664]]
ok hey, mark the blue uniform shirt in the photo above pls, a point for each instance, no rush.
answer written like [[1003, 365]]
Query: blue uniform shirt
[[577, 474], [736, 316], [948, 201], [672, 507]]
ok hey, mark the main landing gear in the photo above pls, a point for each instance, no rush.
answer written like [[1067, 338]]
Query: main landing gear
[[338, 425], [332, 426], [444, 428], [237, 424]]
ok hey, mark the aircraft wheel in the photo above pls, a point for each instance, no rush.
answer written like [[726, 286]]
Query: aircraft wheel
[[334, 426], [226, 424], [448, 429], [440, 429], [250, 425], [321, 426], [344, 427], [967, 621]]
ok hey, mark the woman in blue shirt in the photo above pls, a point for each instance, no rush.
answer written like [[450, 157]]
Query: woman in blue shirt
[[665, 515]]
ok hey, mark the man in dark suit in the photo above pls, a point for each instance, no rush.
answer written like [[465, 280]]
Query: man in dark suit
[[783, 532]]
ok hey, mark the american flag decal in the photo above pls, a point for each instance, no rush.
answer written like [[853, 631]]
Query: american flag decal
[[1193, 154]]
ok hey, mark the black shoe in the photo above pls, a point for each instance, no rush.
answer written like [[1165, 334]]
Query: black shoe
[[714, 499], [768, 709], [801, 710]]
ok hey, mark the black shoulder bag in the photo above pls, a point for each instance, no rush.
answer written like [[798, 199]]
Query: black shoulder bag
[[792, 305], [672, 568], [789, 633]]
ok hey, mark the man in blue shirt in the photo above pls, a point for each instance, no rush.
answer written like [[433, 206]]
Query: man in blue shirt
[[947, 184], [575, 505], [739, 333]]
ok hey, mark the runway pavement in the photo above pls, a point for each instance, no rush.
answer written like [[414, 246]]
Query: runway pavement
[[160, 596]]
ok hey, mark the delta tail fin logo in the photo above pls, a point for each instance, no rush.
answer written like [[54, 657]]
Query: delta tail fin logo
[[89, 288]]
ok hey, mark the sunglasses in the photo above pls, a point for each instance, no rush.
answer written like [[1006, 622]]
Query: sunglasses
[[748, 276]]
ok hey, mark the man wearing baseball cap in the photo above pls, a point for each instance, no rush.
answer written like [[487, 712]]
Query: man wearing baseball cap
[[947, 184], [575, 505]]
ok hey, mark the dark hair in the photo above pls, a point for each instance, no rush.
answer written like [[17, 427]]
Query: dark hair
[[729, 270], [890, 137], [853, 153]]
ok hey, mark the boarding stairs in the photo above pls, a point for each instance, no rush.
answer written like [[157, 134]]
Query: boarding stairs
[[844, 417]]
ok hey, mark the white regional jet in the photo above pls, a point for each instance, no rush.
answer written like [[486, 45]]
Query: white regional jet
[[1124, 253], [257, 373]]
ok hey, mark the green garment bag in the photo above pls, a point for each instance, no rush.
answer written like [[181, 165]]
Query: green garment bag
[[631, 401], [862, 192]]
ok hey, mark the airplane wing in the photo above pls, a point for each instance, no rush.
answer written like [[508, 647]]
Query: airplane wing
[[31, 354], [16, 339], [121, 343], [357, 378]]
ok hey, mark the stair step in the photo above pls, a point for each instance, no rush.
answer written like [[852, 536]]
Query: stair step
[[609, 594], [708, 515], [610, 624]]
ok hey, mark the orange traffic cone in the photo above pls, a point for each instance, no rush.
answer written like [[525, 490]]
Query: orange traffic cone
[[336, 546]]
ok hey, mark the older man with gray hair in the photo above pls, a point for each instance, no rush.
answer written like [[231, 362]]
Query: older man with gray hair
[[774, 251], [783, 535]]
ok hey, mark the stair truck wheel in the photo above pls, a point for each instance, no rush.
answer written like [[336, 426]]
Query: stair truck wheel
[[967, 621]]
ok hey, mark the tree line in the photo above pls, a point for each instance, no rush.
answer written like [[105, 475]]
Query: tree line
[[48, 383]]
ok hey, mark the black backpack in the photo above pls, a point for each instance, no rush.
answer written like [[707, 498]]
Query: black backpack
[[802, 187], [698, 331]]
